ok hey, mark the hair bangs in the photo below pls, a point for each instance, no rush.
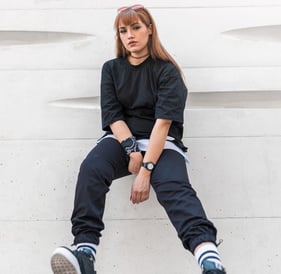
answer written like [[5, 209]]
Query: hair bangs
[[126, 18]]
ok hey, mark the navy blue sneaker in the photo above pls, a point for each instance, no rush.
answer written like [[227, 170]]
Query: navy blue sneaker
[[212, 268], [66, 261]]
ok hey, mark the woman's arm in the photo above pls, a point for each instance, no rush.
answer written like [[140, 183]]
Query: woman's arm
[[157, 140], [121, 131], [141, 185]]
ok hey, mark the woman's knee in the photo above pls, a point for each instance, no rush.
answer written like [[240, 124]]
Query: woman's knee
[[96, 168]]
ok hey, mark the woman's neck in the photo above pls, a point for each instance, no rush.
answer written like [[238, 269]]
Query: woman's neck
[[135, 59], [139, 56]]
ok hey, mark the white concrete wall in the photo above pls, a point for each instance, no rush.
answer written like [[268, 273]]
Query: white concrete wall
[[51, 53]]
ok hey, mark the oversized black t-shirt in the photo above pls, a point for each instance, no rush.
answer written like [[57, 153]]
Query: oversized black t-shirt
[[140, 94]]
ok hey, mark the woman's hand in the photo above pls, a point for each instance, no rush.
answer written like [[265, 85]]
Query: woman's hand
[[141, 187], [135, 162]]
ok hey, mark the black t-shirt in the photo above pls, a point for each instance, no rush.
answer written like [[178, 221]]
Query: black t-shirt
[[141, 94]]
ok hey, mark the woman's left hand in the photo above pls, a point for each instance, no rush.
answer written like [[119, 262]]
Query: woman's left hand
[[141, 187]]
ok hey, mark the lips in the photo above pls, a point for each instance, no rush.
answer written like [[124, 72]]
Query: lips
[[132, 43]]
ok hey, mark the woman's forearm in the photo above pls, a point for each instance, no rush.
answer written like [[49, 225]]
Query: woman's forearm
[[120, 130], [157, 140]]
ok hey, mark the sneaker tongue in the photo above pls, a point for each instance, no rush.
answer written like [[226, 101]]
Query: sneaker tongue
[[209, 265], [86, 250]]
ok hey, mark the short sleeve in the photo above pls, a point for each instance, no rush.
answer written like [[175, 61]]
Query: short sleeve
[[111, 109], [171, 95]]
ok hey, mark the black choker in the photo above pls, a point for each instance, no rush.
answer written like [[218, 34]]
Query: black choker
[[139, 57]]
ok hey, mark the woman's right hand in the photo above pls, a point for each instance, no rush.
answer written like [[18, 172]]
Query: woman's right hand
[[135, 162]]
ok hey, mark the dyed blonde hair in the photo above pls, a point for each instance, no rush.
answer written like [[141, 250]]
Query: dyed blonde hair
[[156, 49]]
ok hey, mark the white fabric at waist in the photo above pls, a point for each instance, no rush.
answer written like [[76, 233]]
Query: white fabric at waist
[[143, 143]]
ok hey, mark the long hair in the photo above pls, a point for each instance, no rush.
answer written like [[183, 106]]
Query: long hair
[[155, 47]]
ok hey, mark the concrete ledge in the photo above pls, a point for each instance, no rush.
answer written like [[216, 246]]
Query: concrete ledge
[[143, 246]]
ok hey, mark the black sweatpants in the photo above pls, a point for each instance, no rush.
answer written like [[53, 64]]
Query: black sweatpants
[[106, 162]]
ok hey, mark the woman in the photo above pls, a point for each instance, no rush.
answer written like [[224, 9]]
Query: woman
[[142, 101]]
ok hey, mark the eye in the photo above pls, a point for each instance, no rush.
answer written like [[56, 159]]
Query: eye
[[136, 27], [122, 31]]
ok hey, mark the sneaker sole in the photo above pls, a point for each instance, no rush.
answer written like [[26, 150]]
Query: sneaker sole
[[64, 262]]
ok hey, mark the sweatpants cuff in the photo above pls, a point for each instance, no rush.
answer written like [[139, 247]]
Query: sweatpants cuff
[[191, 246], [86, 238]]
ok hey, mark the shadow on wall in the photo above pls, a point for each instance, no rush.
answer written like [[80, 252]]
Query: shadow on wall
[[236, 99], [14, 38], [269, 33]]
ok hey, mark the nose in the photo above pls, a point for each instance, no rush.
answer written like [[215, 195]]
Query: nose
[[130, 34]]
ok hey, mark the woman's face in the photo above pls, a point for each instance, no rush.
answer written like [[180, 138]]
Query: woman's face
[[134, 37]]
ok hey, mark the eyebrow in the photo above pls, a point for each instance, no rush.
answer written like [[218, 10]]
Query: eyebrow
[[134, 23]]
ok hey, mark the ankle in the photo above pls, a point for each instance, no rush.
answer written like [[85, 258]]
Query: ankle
[[207, 256]]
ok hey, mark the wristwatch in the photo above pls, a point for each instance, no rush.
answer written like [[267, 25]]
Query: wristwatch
[[148, 165]]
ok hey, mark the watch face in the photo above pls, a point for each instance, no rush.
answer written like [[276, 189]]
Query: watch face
[[129, 142], [149, 166]]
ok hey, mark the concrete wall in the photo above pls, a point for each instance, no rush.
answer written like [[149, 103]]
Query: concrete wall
[[51, 53]]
